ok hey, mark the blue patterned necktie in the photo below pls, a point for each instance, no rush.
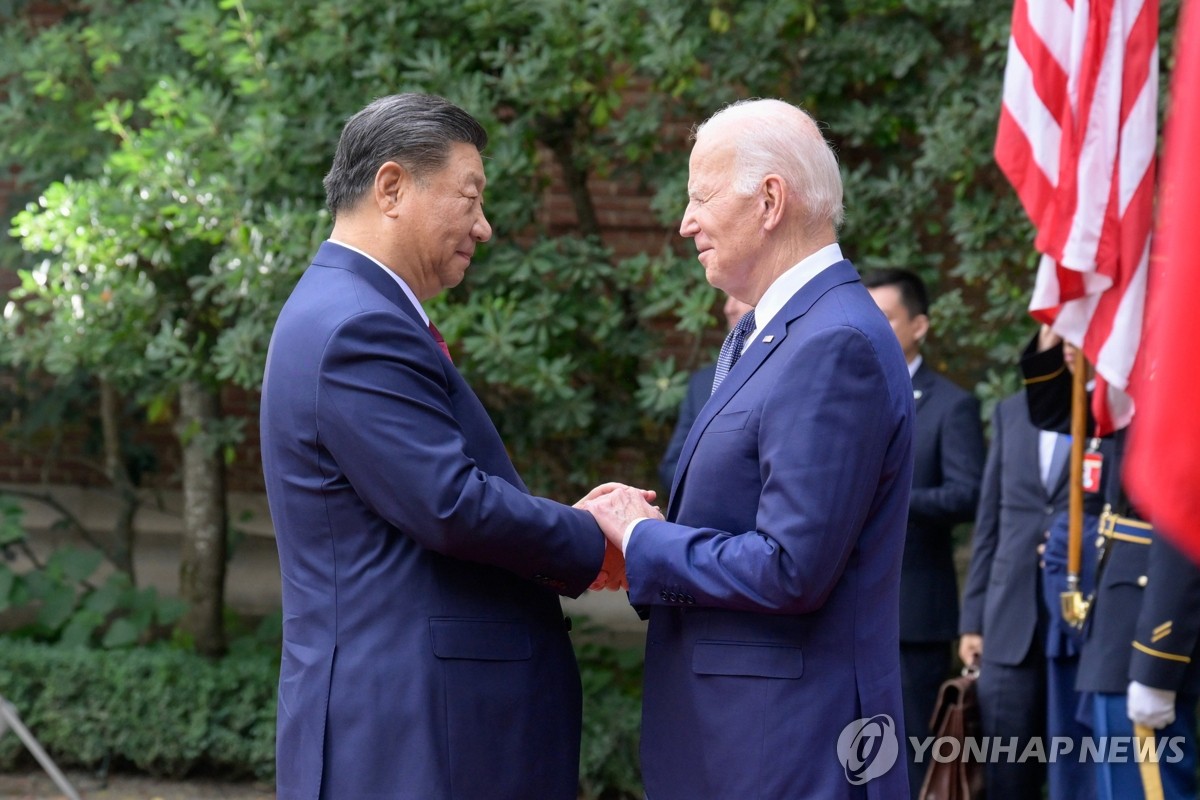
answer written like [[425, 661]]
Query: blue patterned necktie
[[731, 350]]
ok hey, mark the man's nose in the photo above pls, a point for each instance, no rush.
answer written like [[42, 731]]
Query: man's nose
[[688, 227], [482, 230]]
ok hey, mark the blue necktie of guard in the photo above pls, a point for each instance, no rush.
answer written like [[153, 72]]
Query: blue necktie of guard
[[731, 350], [1058, 460]]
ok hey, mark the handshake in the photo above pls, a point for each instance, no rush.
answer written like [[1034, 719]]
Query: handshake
[[615, 506]]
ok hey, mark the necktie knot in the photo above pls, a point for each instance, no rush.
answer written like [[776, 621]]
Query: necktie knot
[[731, 350]]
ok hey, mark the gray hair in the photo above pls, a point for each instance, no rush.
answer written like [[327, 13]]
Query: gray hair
[[778, 137], [414, 130]]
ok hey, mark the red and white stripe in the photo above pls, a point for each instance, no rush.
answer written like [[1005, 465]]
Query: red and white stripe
[[1077, 138]]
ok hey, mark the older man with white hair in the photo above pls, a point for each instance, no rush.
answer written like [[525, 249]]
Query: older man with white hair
[[772, 588]]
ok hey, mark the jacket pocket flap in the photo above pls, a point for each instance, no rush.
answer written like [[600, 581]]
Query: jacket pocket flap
[[747, 658], [480, 639], [733, 421]]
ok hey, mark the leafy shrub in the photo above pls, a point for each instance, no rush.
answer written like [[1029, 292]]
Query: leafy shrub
[[173, 713], [612, 717], [65, 600], [156, 710]]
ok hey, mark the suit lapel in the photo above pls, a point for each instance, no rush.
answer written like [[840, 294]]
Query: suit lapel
[[923, 386], [764, 343]]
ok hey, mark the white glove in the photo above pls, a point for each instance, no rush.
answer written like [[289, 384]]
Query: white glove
[[1145, 705]]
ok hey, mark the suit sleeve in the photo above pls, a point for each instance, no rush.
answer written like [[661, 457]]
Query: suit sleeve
[[1168, 627], [987, 533], [1048, 388], [811, 508], [386, 418], [962, 456]]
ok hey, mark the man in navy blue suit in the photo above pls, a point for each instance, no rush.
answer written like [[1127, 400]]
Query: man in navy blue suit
[[772, 654], [947, 467], [425, 654]]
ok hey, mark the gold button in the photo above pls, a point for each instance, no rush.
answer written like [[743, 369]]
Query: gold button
[[1143, 580]]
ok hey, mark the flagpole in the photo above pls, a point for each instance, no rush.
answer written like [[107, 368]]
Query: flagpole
[[1074, 607]]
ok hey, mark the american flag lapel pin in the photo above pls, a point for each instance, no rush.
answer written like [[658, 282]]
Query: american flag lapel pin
[[768, 338]]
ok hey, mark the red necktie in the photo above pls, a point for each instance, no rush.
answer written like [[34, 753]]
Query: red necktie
[[437, 337]]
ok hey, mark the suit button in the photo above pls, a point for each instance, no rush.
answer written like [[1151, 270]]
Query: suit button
[[1049, 510], [1099, 541], [1142, 581], [663, 594], [690, 600], [567, 623]]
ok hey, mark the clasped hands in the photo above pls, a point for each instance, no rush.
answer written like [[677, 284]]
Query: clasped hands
[[615, 506]]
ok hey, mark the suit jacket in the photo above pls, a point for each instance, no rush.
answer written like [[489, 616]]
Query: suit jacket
[[698, 390], [425, 653], [774, 582], [1015, 513], [947, 467]]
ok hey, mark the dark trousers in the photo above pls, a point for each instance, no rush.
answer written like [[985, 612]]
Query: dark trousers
[[1012, 703], [1069, 777], [923, 667], [1122, 779]]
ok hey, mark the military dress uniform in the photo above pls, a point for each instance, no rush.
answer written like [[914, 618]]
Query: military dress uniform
[[1144, 622]]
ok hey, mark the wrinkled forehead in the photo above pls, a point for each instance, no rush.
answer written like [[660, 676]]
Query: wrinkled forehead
[[711, 156]]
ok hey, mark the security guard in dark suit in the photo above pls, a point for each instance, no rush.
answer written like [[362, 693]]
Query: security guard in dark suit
[[948, 456], [1141, 653]]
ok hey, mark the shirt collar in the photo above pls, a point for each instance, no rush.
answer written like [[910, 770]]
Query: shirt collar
[[915, 365], [408, 291], [786, 285]]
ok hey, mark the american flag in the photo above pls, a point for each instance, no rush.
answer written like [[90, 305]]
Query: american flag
[[1077, 140]]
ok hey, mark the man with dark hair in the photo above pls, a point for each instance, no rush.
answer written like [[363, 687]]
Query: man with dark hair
[[948, 454], [425, 654]]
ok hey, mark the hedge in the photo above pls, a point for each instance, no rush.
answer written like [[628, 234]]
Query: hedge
[[172, 713]]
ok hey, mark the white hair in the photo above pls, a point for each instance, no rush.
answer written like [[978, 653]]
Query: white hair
[[778, 137]]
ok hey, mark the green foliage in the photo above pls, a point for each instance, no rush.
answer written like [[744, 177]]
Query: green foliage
[[161, 711], [178, 150], [612, 719], [169, 712], [70, 600]]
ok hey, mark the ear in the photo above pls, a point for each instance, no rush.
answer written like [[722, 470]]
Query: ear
[[774, 201], [920, 327], [391, 181]]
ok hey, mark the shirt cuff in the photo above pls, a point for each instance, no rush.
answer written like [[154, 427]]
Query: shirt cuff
[[629, 532]]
